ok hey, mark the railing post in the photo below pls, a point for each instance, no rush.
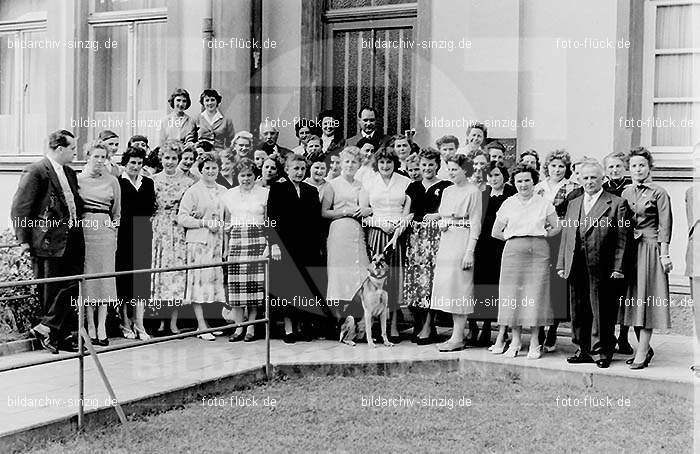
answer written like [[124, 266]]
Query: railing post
[[81, 359], [268, 368]]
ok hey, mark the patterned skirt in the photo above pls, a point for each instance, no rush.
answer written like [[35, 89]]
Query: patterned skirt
[[205, 285], [246, 282], [420, 264]]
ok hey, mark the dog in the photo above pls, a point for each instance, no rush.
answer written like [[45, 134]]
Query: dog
[[375, 303]]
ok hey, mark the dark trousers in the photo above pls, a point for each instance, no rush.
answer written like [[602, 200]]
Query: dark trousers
[[585, 312], [59, 299]]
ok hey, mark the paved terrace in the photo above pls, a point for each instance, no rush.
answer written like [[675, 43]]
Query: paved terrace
[[40, 401]]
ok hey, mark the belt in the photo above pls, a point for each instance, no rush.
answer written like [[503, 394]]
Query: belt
[[97, 211]]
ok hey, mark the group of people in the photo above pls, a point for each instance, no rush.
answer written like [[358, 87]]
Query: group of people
[[525, 246]]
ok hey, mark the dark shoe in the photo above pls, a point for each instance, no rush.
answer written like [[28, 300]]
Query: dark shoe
[[624, 348], [103, 342], [580, 358], [645, 363], [451, 347], [46, 342], [72, 347], [425, 340], [484, 338], [597, 349], [603, 363], [237, 337], [631, 360], [94, 341], [395, 339], [289, 338]]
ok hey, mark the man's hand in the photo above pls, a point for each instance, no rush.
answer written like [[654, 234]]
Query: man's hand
[[616, 275], [24, 247], [560, 273], [276, 254]]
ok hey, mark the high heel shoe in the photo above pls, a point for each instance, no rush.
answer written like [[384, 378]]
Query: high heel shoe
[[631, 360], [512, 351], [127, 332], [141, 334], [499, 351], [645, 363]]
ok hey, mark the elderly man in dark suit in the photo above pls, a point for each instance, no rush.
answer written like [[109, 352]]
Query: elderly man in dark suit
[[269, 134], [45, 214], [595, 232], [294, 210], [367, 122]]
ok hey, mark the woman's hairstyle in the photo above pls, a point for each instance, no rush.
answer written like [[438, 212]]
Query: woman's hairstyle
[[621, 155], [210, 93], [59, 138], [643, 152], [137, 138], [501, 168], [316, 156], [171, 145], [292, 158], [179, 92], [311, 137], [302, 124], [497, 145], [106, 135], [133, 152], [190, 148], [430, 154], [478, 126], [242, 135], [447, 139], [208, 157], [531, 152], [464, 161], [386, 152], [95, 145], [243, 164], [351, 152], [561, 155], [522, 168], [153, 160], [205, 145], [472, 155]]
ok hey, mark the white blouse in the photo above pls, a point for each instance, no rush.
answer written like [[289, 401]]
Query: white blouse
[[387, 200], [544, 189], [524, 219], [246, 208]]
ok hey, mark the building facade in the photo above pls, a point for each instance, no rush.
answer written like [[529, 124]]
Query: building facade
[[591, 77]]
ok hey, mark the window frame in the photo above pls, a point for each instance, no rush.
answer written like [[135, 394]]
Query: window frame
[[673, 157], [20, 27], [130, 19]]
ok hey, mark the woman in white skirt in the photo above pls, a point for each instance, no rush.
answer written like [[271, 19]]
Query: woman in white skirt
[[524, 221], [101, 194], [460, 223]]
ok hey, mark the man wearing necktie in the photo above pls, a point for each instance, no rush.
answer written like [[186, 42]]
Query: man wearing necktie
[[45, 213], [594, 236]]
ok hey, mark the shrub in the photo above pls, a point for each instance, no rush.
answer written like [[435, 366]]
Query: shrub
[[16, 316]]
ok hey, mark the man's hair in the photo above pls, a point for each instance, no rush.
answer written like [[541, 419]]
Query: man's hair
[[497, 145], [590, 162], [447, 139], [59, 138], [366, 107]]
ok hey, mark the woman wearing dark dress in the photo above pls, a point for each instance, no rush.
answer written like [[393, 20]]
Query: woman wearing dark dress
[[487, 255], [423, 244], [138, 204]]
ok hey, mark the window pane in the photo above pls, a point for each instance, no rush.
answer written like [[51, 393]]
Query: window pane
[[110, 69], [674, 75], [35, 73], [673, 124], [8, 118], [674, 27], [123, 5], [151, 67]]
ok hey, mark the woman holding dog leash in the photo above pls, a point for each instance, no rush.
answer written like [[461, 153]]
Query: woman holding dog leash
[[460, 223]]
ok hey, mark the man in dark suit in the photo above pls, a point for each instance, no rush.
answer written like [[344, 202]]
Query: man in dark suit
[[294, 210], [269, 135], [595, 232], [45, 213], [367, 123]]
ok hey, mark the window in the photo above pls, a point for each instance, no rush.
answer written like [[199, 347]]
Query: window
[[671, 107], [22, 88], [127, 79]]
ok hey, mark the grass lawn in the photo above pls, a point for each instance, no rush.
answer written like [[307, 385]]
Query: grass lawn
[[327, 414]]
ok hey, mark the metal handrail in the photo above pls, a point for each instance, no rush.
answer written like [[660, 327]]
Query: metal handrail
[[82, 334]]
